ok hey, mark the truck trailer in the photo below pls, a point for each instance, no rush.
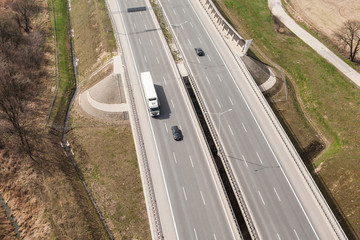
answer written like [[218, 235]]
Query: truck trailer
[[152, 100]]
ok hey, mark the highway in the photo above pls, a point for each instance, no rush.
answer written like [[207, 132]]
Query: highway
[[261, 163], [196, 201]]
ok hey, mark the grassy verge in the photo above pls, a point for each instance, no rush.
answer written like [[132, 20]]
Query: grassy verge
[[94, 39], [66, 77], [328, 100], [165, 30], [106, 154]]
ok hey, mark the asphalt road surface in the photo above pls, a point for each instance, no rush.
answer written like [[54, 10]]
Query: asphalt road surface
[[278, 210], [197, 208]]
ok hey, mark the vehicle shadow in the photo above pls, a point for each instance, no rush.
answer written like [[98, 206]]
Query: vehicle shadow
[[164, 104]]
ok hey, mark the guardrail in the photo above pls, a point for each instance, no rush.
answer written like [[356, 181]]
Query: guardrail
[[155, 217], [222, 155], [302, 168], [294, 154], [223, 27]]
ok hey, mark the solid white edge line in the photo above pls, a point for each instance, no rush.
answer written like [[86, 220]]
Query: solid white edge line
[[302, 208], [152, 129]]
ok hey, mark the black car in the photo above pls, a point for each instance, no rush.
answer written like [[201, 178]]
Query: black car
[[176, 133], [199, 52]]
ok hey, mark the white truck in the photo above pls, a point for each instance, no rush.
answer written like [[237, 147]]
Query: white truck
[[150, 94]]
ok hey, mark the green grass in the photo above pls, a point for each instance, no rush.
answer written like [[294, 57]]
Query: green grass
[[66, 77], [327, 97]]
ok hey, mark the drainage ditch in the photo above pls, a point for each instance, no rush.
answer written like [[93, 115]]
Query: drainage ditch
[[9, 230]]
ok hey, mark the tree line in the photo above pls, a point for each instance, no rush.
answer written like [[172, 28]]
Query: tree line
[[21, 56]]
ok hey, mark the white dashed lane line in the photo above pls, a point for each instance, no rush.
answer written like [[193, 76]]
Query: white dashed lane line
[[166, 127], [259, 157], [262, 200], [297, 237], [277, 194], [217, 100], [192, 164], [230, 130], [202, 196], [174, 157], [244, 126], [231, 101], [195, 234], [245, 161], [184, 193]]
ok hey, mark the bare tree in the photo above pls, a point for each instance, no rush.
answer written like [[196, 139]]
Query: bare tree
[[349, 36], [8, 30], [14, 91], [24, 10]]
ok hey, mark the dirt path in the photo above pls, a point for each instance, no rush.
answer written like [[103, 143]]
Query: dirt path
[[325, 16]]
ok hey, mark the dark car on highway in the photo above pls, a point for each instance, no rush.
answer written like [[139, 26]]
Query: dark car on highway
[[199, 52], [176, 133]]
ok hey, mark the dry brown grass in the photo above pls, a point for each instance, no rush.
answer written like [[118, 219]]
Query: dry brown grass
[[105, 151], [106, 155], [93, 36], [46, 198]]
